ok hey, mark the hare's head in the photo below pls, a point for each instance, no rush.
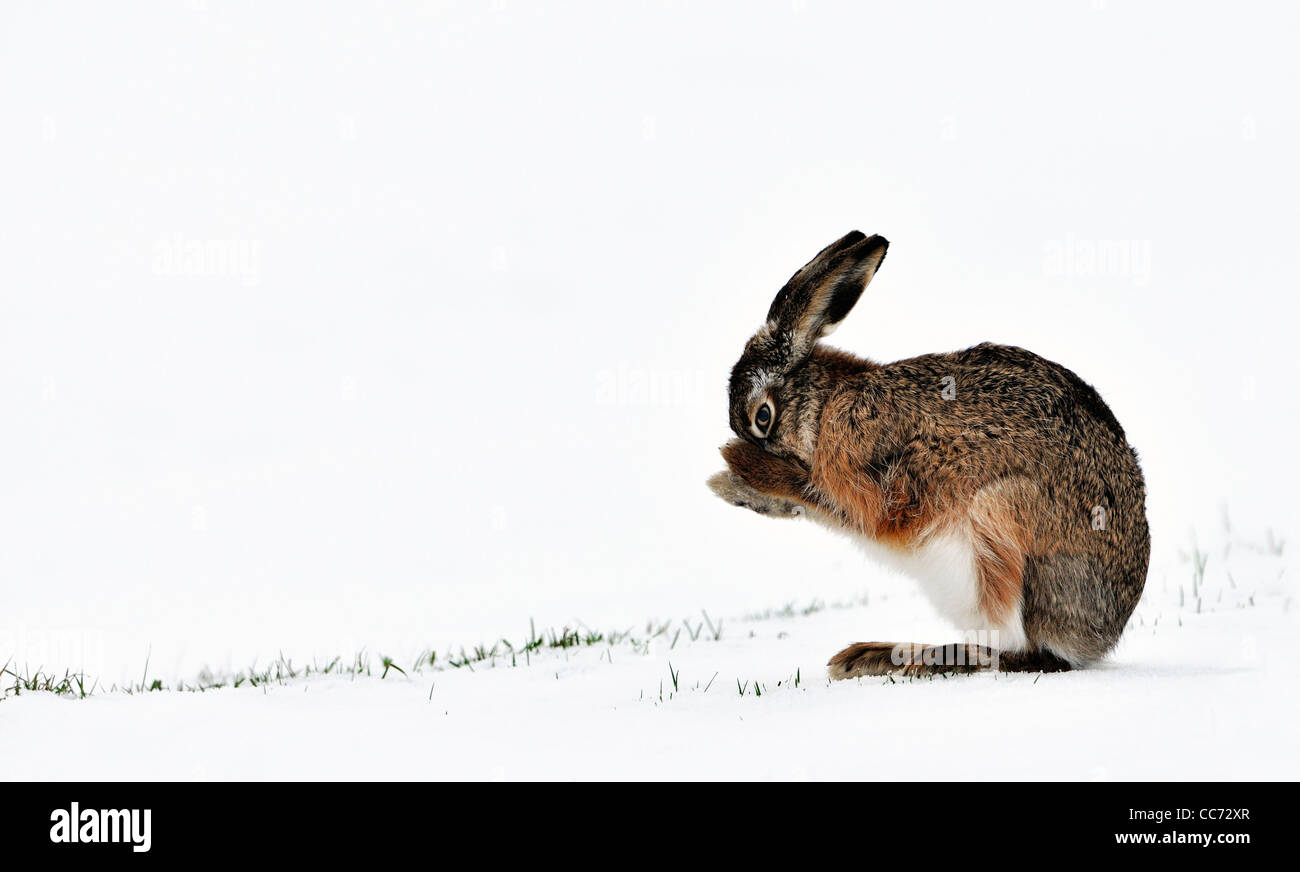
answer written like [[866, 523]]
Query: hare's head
[[772, 382]]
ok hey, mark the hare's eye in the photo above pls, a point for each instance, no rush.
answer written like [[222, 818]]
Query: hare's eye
[[763, 418]]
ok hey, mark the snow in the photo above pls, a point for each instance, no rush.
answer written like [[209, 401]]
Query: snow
[[1190, 694], [396, 330]]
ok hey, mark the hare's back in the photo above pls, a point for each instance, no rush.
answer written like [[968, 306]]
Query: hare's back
[[1003, 421], [1000, 391], [995, 412]]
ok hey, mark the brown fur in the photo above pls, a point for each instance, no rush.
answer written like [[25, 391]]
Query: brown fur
[[1001, 545], [767, 473], [993, 440], [872, 502], [886, 658]]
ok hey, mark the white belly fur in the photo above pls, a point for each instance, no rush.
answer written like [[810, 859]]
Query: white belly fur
[[945, 567]]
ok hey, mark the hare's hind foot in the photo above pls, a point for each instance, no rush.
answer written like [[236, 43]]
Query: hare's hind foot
[[888, 658], [865, 658]]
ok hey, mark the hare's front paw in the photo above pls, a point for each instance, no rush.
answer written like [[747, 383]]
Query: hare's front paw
[[733, 489]]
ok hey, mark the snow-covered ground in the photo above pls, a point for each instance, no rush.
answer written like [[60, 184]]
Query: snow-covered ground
[[1202, 687], [329, 331]]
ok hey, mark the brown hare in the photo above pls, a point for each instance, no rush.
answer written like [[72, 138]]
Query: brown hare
[[998, 479]]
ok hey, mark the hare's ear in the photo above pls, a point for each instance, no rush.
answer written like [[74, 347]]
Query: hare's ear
[[817, 297]]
